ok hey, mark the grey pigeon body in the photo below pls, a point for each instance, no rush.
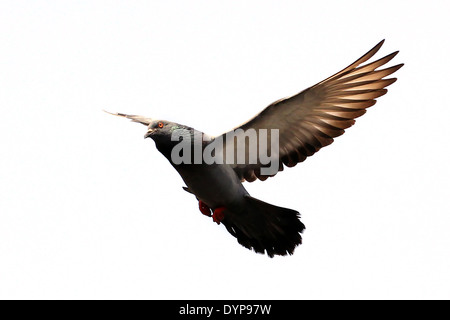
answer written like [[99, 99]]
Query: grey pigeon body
[[304, 122]]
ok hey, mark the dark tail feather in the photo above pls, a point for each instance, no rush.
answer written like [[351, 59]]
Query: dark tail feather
[[266, 228]]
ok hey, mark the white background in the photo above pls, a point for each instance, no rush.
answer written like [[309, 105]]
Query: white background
[[89, 209]]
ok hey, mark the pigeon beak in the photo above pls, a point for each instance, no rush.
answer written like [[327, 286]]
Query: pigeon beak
[[149, 133]]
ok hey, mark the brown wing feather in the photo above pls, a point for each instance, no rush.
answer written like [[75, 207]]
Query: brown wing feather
[[132, 117], [311, 119]]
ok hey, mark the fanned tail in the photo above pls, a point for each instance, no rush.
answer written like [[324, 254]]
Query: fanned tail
[[264, 227]]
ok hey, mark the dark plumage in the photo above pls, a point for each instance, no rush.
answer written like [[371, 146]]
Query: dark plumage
[[305, 122]]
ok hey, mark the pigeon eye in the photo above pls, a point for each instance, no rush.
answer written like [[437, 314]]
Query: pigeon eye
[[160, 125]]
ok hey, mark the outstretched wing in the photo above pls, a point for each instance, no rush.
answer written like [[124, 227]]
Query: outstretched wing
[[133, 118], [311, 119]]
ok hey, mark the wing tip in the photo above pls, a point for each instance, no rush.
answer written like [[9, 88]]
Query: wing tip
[[111, 113], [117, 114], [376, 48], [381, 42], [395, 68], [133, 118], [390, 81]]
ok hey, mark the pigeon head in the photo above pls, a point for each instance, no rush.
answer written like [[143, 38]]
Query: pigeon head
[[166, 134], [161, 130]]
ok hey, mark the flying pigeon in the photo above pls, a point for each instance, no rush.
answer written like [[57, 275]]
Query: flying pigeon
[[300, 124]]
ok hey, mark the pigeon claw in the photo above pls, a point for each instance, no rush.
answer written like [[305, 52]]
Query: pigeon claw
[[218, 214], [204, 208]]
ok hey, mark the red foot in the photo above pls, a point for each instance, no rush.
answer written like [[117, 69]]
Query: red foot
[[204, 209], [218, 214]]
